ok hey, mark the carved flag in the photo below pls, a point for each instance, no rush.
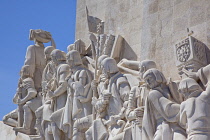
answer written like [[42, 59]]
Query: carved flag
[[95, 25]]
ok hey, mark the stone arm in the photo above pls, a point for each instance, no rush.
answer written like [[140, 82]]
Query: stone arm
[[62, 83], [30, 59], [124, 88], [183, 116], [130, 114], [28, 84], [168, 109], [31, 94], [134, 65], [16, 97]]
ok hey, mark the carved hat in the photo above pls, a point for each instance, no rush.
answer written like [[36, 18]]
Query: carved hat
[[40, 35], [110, 65], [160, 78]]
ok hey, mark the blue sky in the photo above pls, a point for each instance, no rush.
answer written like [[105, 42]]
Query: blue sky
[[17, 17]]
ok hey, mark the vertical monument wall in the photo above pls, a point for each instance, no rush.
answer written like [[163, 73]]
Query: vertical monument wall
[[150, 28]]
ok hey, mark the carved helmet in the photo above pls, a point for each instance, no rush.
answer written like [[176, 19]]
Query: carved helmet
[[75, 56], [59, 55], [110, 65], [49, 49]]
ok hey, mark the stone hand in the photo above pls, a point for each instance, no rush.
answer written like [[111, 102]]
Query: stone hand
[[122, 62], [190, 74], [106, 97], [94, 101], [139, 112], [50, 94], [81, 99], [94, 85]]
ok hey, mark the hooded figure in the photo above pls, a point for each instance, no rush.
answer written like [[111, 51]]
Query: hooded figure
[[161, 113]]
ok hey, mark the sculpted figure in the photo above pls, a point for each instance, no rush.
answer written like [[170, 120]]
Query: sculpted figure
[[110, 102], [78, 103], [26, 96], [161, 113], [201, 76], [44, 112], [194, 112], [79, 46], [82, 125], [136, 103], [58, 94], [113, 92], [11, 118], [35, 55]]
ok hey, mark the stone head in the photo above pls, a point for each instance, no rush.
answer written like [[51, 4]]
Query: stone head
[[154, 78], [73, 58], [70, 47], [189, 88], [109, 67], [25, 72], [100, 59], [47, 52], [57, 56], [145, 65], [40, 35], [79, 46]]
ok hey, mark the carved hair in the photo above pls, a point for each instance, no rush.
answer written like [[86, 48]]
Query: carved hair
[[75, 56], [160, 78], [110, 65], [59, 55], [148, 64]]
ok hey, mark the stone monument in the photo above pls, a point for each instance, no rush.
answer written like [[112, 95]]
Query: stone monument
[[133, 73]]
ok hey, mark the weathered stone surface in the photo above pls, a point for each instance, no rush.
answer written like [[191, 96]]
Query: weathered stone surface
[[7, 133], [155, 25]]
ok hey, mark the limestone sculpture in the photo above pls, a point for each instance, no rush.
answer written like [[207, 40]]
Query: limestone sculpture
[[193, 115], [86, 95]]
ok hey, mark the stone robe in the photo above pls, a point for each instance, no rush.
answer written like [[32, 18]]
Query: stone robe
[[35, 58], [60, 93], [160, 118], [74, 109], [119, 88]]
